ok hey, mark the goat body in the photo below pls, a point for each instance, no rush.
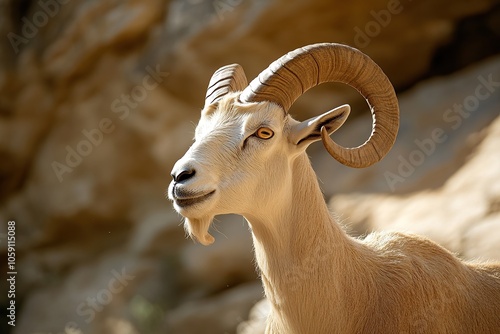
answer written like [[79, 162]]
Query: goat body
[[320, 280]]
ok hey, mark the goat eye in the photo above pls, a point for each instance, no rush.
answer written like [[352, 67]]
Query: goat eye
[[264, 133]]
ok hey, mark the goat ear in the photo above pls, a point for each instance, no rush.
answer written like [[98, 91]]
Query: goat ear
[[309, 131]]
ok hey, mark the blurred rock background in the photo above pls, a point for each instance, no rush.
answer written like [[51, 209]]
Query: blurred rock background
[[98, 99]]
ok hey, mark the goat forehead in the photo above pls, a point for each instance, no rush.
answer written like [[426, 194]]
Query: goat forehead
[[219, 123], [237, 123]]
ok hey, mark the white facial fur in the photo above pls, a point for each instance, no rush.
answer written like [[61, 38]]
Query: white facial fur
[[235, 171]]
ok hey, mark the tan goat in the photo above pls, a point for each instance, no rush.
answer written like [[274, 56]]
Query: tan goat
[[249, 158]]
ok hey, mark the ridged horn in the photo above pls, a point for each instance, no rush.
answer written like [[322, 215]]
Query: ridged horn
[[229, 78], [293, 74]]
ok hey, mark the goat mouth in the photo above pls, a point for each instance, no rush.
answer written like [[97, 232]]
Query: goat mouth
[[185, 202]]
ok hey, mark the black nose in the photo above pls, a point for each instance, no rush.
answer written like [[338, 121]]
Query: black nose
[[183, 175]]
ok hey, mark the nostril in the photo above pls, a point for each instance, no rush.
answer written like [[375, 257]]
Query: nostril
[[184, 175]]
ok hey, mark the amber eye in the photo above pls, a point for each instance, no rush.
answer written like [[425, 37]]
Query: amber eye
[[264, 133]]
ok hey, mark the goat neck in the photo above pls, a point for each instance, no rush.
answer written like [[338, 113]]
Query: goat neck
[[296, 245]]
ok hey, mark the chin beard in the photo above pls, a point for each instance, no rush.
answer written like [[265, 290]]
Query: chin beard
[[197, 229]]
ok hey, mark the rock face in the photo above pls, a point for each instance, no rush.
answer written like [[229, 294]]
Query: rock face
[[98, 100]]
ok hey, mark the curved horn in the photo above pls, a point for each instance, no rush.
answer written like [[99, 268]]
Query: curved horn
[[293, 74], [229, 78]]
